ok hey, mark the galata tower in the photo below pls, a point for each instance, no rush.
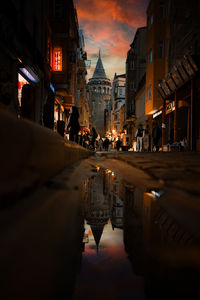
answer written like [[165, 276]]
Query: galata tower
[[100, 95]]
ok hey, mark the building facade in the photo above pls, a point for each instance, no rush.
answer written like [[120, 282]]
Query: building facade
[[41, 61], [82, 101], [157, 55], [65, 44], [118, 97], [25, 82], [180, 88], [135, 70]]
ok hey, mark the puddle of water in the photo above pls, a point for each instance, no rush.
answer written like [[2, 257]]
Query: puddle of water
[[125, 244]]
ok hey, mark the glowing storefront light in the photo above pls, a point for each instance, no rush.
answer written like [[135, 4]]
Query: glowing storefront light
[[57, 59], [21, 82], [52, 87], [30, 75]]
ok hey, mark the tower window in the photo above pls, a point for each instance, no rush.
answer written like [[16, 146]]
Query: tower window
[[132, 86], [132, 65]]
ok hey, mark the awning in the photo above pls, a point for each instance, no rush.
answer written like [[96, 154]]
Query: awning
[[179, 75]]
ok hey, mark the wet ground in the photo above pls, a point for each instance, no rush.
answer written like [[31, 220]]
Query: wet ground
[[130, 243], [101, 229]]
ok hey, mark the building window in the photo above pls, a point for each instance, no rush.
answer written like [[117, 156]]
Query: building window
[[149, 92], [150, 56], [104, 90], [162, 10], [108, 92], [99, 90], [57, 59], [161, 49], [58, 8], [120, 91], [149, 21]]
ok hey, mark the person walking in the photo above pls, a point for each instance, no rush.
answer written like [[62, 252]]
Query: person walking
[[118, 144], [74, 125], [139, 137], [106, 144], [100, 144], [156, 134], [93, 137]]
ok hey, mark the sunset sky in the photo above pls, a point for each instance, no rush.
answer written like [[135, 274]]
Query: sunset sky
[[110, 25]]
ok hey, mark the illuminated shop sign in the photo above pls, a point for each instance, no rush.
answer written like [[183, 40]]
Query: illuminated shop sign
[[30, 75], [57, 59], [170, 107], [158, 113]]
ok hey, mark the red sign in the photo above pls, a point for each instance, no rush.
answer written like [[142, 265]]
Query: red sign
[[57, 59]]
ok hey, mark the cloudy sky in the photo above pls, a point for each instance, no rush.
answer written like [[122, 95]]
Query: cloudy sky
[[110, 25]]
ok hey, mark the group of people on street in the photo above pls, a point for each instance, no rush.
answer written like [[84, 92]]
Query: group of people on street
[[142, 136], [87, 141]]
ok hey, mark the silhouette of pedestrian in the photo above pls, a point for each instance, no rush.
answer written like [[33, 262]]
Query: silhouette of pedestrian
[[118, 144], [74, 125], [139, 137], [106, 144], [93, 137], [156, 134]]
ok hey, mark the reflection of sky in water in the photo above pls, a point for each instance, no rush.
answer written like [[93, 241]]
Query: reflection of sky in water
[[108, 273]]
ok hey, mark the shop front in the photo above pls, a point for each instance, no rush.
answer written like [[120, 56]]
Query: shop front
[[180, 93], [27, 80]]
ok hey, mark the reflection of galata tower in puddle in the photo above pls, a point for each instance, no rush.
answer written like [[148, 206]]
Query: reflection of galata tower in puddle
[[97, 211], [100, 95]]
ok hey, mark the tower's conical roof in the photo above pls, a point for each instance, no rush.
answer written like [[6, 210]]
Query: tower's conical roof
[[99, 71], [97, 233]]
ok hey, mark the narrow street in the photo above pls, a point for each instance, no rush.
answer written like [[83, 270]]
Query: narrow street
[[100, 150], [113, 226]]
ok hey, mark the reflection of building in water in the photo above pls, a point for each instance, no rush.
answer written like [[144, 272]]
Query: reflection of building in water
[[117, 209], [97, 205]]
